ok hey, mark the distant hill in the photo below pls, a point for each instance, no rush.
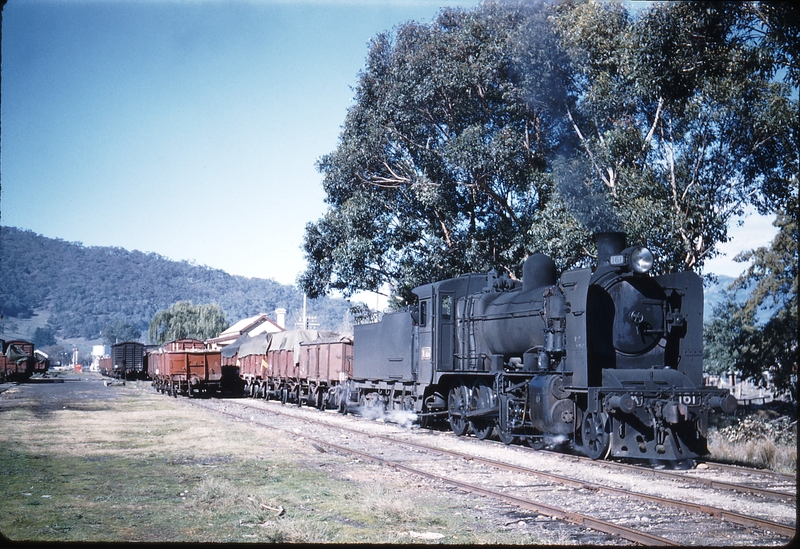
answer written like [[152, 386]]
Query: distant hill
[[81, 289], [76, 290]]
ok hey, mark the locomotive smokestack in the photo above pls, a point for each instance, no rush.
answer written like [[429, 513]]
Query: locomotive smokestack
[[608, 244], [538, 271]]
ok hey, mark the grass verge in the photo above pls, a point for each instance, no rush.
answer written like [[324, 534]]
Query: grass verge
[[144, 467], [757, 439]]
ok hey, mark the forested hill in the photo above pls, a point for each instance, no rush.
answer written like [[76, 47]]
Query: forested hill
[[86, 288]]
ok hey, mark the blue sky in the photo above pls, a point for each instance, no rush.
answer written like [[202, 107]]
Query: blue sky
[[190, 129], [183, 128]]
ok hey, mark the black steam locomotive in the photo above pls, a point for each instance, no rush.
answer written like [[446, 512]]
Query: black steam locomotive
[[608, 361]]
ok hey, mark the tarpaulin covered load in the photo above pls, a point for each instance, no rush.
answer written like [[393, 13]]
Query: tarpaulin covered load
[[17, 355], [283, 354], [230, 353], [291, 339], [250, 354], [256, 345], [17, 362]]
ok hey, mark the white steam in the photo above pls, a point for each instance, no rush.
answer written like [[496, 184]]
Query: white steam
[[555, 440], [402, 418]]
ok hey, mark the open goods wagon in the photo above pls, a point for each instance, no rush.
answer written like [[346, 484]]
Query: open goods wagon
[[18, 361], [248, 354], [104, 365], [299, 366], [324, 365], [187, 367]]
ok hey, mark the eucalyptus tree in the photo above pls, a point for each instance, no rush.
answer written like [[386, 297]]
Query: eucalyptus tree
[[522, 127], [441, 164], [184, 320], [681, 123]]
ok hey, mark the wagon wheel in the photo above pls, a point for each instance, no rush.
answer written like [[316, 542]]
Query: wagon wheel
[[504, 437], [457, 409], [596, 434], [320, 398], [284, 395], [536, 442], [298, 395], [481, 400]]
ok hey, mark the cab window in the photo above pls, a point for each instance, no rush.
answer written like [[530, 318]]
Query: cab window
[[447, 307]]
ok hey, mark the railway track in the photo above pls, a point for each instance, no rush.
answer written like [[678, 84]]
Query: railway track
[[397, 450], [738, 468], [784, 487]]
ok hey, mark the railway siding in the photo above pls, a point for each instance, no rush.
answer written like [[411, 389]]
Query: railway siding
[[597, 487]]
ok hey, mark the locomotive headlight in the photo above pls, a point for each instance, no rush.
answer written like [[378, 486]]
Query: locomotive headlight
[[641, 260]]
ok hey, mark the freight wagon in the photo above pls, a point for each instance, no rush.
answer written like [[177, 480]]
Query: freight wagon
[[299, 366], [127, 361], [324, 365], [17, 361], [186, 367]]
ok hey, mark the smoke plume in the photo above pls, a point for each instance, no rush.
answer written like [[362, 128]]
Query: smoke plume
[[586, 200]]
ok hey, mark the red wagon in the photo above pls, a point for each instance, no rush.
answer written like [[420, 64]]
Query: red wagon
[[17, 361], [324, 364], [187, 367]]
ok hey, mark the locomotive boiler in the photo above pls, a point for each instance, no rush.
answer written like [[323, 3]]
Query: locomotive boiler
[[608, 360]]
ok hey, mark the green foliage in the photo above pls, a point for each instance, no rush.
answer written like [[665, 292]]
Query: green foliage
[[519, 127], [87, 288], [42, 337], [120, 332], [680, 120], [781, 430], [438, 167], [765, 352], [184, 320]]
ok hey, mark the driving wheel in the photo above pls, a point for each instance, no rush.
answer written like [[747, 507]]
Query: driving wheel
[[482, 400], [596, 434], [457, 409]]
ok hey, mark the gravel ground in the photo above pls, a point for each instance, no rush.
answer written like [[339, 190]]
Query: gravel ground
[[680, 526]]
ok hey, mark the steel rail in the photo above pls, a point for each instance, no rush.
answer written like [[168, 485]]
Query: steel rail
[[579, 519], [710, 483], [717, 484], [740, 469], [722, 514], [730, 516]]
